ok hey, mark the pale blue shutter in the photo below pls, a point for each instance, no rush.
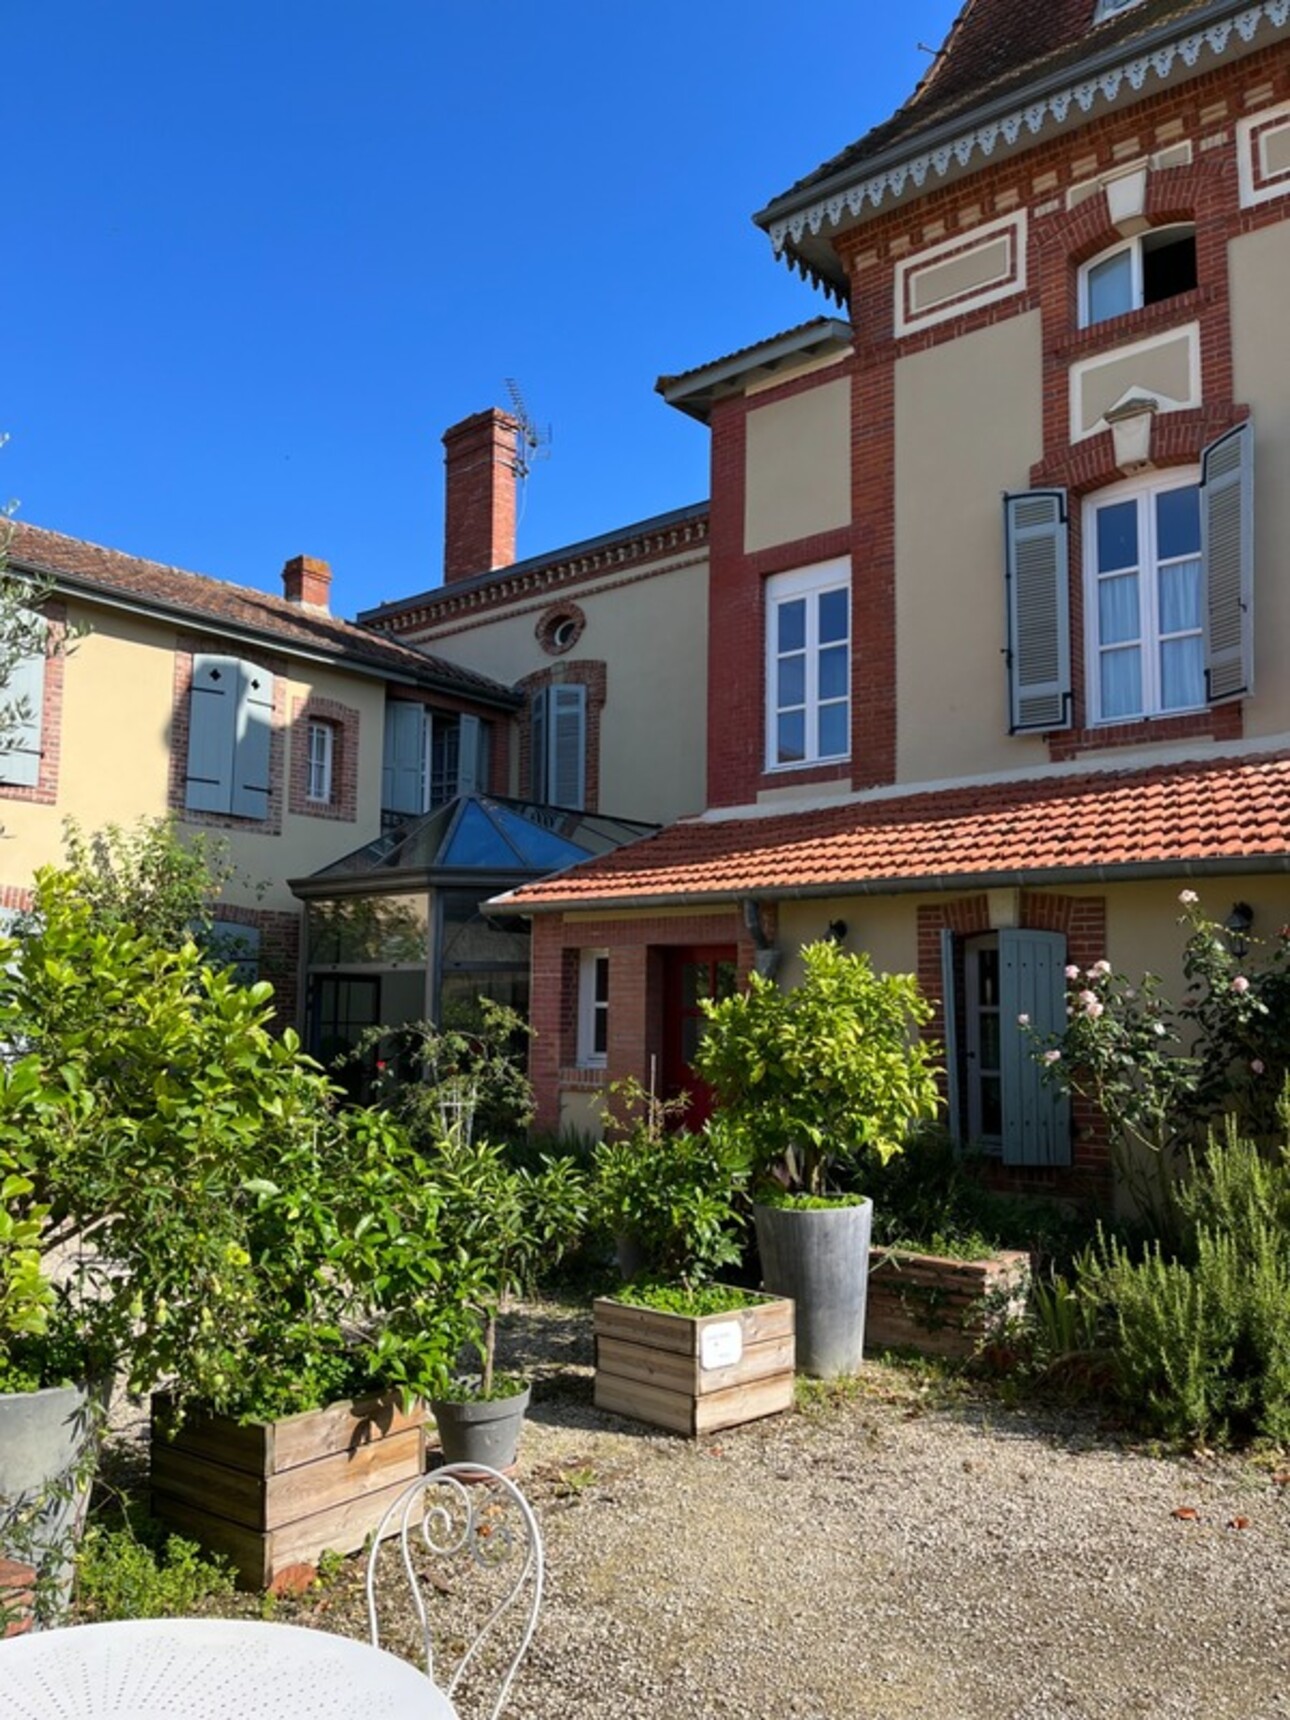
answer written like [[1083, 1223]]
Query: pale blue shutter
[[212, 733], [538, 747], [954, 1120], [253, 737], [1032, 982], [472, 756], [1039, 633], [1227, 545], [23, 698], [568, 770], [403, 771]]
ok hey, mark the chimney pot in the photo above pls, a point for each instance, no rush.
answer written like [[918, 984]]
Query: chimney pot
[[306, 582], [479, 514]]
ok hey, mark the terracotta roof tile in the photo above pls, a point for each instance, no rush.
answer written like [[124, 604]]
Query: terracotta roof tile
[[1233, 811], [203, 599]]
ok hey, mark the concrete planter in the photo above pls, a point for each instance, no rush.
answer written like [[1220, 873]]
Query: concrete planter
[[481, 1430], [47, 1456], [941, 1306], [694, 1373], [270, 1494], [820, 1258]]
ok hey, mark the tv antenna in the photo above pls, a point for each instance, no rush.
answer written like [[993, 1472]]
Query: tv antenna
[[531, 444]]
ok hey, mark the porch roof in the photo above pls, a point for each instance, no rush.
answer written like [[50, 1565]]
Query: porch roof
[[1219, 815]]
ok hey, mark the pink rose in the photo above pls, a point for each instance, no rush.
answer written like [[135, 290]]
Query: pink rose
[[1240, 985], [1188, 898], [1099, 970], [1256, 1064], [1052, 1056], [1072, 972]]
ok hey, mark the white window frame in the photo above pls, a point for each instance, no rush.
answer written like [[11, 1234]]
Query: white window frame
[[593, 1009], [1112, 9], [1142, 491], [809, 583], [1133, 247], [320, 762]]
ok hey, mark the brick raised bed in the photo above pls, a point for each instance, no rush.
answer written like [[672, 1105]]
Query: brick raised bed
[[274, 1494], [940, 1306], [691, 1374]]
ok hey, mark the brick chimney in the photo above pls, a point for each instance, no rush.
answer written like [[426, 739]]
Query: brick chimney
[[306, 582], [479, 522]]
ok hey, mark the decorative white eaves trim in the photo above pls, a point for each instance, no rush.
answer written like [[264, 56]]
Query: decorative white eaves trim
[[983, 140]]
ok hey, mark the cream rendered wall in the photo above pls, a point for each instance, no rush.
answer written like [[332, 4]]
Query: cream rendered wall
[[1260, 268], [885, 928], [652, 634], [798, 466], [968, 427], [118, 699]]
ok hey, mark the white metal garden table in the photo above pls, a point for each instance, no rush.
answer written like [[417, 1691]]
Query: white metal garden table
[[215, 1669]]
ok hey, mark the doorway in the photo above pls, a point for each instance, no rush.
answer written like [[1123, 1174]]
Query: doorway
[[691, 975]]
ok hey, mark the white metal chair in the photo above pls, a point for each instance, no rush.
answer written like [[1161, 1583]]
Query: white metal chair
[[466, 1516]]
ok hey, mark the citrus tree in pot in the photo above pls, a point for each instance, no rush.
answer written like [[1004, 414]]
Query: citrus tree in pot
[[809, 1082]]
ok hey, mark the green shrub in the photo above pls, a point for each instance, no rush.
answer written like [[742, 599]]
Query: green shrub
[[119, 1576]]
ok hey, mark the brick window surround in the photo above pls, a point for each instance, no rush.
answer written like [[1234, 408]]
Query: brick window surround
[[45, 792], [343, 721], [586, 673], [279, 956], [188, 646]]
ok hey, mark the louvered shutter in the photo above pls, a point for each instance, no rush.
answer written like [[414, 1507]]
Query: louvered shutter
[[1039, 635], [23, 697], [568, 738], [403, 771], [212, 733], [472, 756], [229, 944], [1032, 981], [1227, 544], [954, 1118], [252, 743], [538, 747]]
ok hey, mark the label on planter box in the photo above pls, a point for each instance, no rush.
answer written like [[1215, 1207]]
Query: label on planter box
[[721, 1345]]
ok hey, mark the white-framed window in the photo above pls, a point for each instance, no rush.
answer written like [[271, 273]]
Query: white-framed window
[[808, 666], [558, 745], [593, 1009], [1144, 599], [1144, 270], [322, 752]]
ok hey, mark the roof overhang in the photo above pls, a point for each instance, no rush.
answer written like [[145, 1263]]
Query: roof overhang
[[696, 392], [803, 223]]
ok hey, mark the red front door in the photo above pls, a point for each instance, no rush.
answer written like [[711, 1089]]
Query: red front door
[[692, 974]]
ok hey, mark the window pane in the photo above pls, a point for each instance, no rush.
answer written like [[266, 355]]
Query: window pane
[[600, 1033], [727, 979], [1180, 597], [792, 625], [833, 730], [1182, 673], [1178, 523], [833, 672], [602, 979], [833, 616], [1110, 287], [991, 1105], [987, 977], [1117, 536], [791, 738], [792, 681], [1122, 683], [989, 1041], [1117, 609]]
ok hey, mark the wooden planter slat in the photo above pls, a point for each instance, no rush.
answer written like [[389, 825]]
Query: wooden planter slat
[[273, 1494], [649, 1365], [939, 1306]]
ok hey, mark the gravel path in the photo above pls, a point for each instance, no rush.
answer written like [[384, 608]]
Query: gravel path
[[890, 1551]]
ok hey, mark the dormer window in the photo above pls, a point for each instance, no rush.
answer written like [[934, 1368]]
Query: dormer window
[[1144, 270]]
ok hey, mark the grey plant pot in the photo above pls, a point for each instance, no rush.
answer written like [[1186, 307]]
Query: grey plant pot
[[820, 1257], [481, 1430], [48, 1448]]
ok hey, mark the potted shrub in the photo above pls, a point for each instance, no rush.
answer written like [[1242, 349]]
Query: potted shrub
[[674, 1348], [809, 1083]]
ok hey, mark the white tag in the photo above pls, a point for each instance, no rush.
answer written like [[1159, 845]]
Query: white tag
[[721, 1346]]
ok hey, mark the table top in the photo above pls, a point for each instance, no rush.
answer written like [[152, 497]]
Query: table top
[[218, 1669]]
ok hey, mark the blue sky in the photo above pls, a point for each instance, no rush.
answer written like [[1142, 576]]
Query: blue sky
[[261, 256]]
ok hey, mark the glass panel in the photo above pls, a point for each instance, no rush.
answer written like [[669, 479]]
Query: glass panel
[[602, 979], [691, 1032], [727, 979], [792, 625], [792, 682], [600, 1033], [1180, 597], [1178, 523], [1110, 287], [1117, 536], [384, 931], [461, 992], [695, 983], [987, 985], [833, 615], [991, 1105], [833, 730], [791, 747], [1118, 619], [1182, 673], [833, 672], [1122, 683], [989, 1040]]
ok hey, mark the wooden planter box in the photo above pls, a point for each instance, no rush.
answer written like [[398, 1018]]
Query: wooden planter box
[[940, 1306], [273, 1494], [693, 1374]]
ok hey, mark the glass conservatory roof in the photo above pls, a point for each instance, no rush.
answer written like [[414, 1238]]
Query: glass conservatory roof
[[486, 837]]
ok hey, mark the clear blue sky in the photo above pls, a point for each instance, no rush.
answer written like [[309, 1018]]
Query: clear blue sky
[[260, 256]]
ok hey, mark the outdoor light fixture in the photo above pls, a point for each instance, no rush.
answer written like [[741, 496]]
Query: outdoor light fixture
[[1130, 423], [1237, 925], [837, 931]]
